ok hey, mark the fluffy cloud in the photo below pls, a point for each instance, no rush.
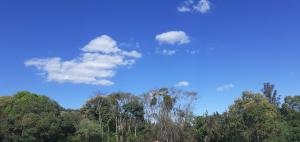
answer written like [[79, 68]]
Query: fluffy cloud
[[182, 84], [173, 37], [202, 6], [96, 65], [225, 87], [104, 44]]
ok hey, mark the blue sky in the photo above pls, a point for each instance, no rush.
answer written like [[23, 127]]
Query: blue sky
[[219, 48]]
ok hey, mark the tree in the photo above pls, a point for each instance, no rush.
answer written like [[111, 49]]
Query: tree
[[70, 120], [129, 116], [291, 114], [210, 128], [4, 101], [42, 127], [258, 119], [250, 118], [163, 114], [293, 102], [134, 113], [87, 131], [30, 117], [119, 113], [271, 94], [169, 112]]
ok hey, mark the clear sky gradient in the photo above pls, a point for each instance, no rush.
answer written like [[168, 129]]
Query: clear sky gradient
[[235, 45]]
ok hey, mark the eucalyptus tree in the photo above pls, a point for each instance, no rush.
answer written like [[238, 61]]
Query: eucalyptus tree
[[169, 110], [270, 93], [121, 114]]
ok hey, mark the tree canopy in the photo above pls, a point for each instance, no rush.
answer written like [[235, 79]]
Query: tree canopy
[[164, 115]]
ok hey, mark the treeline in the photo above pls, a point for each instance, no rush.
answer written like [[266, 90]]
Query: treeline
[[163, 115]]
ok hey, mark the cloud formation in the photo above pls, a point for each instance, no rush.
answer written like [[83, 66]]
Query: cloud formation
[[182, 84], [96, 65], [225, 87], [173, 38], [202, 6]]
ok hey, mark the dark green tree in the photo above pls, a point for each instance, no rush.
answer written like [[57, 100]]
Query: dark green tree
[[271, 94], [291, 114], [87, 131], [30, 117]]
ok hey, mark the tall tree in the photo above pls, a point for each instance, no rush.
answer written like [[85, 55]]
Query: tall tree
[[271, 94], [258, 119], [169, 111], [291, 113]]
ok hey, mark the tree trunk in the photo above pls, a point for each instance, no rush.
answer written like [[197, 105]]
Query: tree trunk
[[117, 137], [135, 131]]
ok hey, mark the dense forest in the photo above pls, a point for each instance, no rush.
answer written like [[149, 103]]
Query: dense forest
[[164, 115]]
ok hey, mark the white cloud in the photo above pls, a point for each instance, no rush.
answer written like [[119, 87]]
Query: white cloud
[[104, 44], [130, 44], [192, 52], [203, 6], [168, 52], [182, 84], [133, 54], [165, 52], [225, 87], [186, 6], [184, 9], [96, 65], [173, 37]]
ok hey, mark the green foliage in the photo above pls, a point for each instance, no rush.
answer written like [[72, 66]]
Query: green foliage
[[153, 101], [168, 103], [43, 127], [293, 102], [250, 118], [291, 114], [169, 113], [30, 117], [270, 93], [162, 114], [87, 131], [134, 109], [260, 120], [26, 102]]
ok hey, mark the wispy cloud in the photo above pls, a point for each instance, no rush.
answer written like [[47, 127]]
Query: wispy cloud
[[173, 38], [184, 9], [202, 6], [225, 87], [168, 52], [97, 63], [182, 84], [192, 52], [130, 45], [165, 52]]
